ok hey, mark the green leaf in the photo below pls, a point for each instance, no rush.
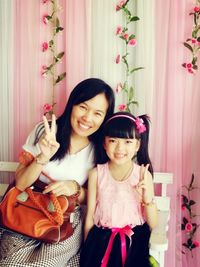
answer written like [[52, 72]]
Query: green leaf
[[198, 39], [48, 17], [126, 11], [58, 29], [131, 93], [192, 202], [135, 69], [188, 46], [132, 36], [60, 77], [185, 199], [51, 43], [192, 180], [185, 220], [135, 18], [57, 23], [60, 55]]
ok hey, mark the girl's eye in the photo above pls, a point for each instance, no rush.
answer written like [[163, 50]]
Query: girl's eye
[[129, 141], [111, 140]]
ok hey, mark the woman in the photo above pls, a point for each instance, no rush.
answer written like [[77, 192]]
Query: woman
[[65, 152]]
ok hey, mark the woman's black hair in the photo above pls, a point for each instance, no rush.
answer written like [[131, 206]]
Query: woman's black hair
[[82, 92], [124, 127]]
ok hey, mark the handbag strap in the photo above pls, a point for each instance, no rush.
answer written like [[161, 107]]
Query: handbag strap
[[59, 214]]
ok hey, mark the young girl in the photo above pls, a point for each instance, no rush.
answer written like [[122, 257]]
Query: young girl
[[121, 209]]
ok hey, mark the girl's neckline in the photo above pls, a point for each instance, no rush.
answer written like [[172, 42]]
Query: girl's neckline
[[125, 177]]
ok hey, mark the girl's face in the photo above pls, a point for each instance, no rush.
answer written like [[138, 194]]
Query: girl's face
[[121, 150], [87, 117]]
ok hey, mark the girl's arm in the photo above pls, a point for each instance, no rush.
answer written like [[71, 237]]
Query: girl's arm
[[91, 201], [146, 184]]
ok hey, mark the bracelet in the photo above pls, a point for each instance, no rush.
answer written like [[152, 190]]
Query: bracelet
[[152, 202], [78, 189], [41, 162]]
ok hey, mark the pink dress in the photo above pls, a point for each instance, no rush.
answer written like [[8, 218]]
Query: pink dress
[[118, 202]]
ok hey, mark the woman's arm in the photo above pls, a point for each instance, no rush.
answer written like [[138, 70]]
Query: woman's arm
[[91, 201], [26, 175]]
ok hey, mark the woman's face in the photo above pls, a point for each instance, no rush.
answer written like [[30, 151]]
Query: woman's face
[[87, 117]]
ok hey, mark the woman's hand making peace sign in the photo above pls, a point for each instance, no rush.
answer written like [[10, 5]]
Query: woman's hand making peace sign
[[48, 144]]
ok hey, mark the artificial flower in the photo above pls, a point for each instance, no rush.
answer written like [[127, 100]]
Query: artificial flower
[[119, 30], [45, 18], [122, 107], [188, 227], [45, 1], [45, 46], [118, 59], [125, 36], [196, 9], [120, 5], [132, 42], [47, 108], [196, 243], [119, 88]]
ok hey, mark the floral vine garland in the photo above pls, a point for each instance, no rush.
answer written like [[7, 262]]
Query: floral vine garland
[[130, 40], [189, 224], [193, 43], [50, 70]]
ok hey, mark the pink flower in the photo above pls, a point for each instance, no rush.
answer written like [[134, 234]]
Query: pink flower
[[182, 207], [45, 46], [189, 65], [193, 41], [125, 36], [118, 59], [119, 30], [47, 107], [122, 107], [196, 243], [45, 1], [196, 9], [44, 19], [120, 5], [44, 70], [119, 88], [188, 227], [190, 70], [132, 42]]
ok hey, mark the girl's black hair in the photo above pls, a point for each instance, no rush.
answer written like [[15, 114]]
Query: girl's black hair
[[123, 127], [82, 92]]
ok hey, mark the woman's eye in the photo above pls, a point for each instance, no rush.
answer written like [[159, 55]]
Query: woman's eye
[[98, 114], [83, 107], [129, 141], [111, 140]]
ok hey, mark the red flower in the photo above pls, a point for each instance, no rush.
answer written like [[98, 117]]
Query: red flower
[[196, 243], [122, 107], [120, 5], [45, 46], [118, 59], [196, 9], [125, 36], [119, 88], [45, 19], [47, 107], [188, 227], [132, 42], [119, 30]]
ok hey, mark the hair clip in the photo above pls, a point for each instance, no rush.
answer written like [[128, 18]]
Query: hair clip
[[140, 125]]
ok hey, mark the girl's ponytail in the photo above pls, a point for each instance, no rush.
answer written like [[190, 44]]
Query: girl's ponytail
[[143, 152]]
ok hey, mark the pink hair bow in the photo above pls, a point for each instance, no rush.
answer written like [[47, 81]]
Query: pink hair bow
[[123, 232], [140, 125]]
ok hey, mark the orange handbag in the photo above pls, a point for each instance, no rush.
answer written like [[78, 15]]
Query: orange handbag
[[40, 216]]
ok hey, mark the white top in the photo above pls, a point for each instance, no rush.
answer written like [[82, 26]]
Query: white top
[[71, 167]]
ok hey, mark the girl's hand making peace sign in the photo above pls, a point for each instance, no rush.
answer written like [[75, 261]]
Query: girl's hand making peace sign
[[48, 144], [145, 185]]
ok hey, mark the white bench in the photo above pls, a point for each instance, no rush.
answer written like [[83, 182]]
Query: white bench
[[158, 239]]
